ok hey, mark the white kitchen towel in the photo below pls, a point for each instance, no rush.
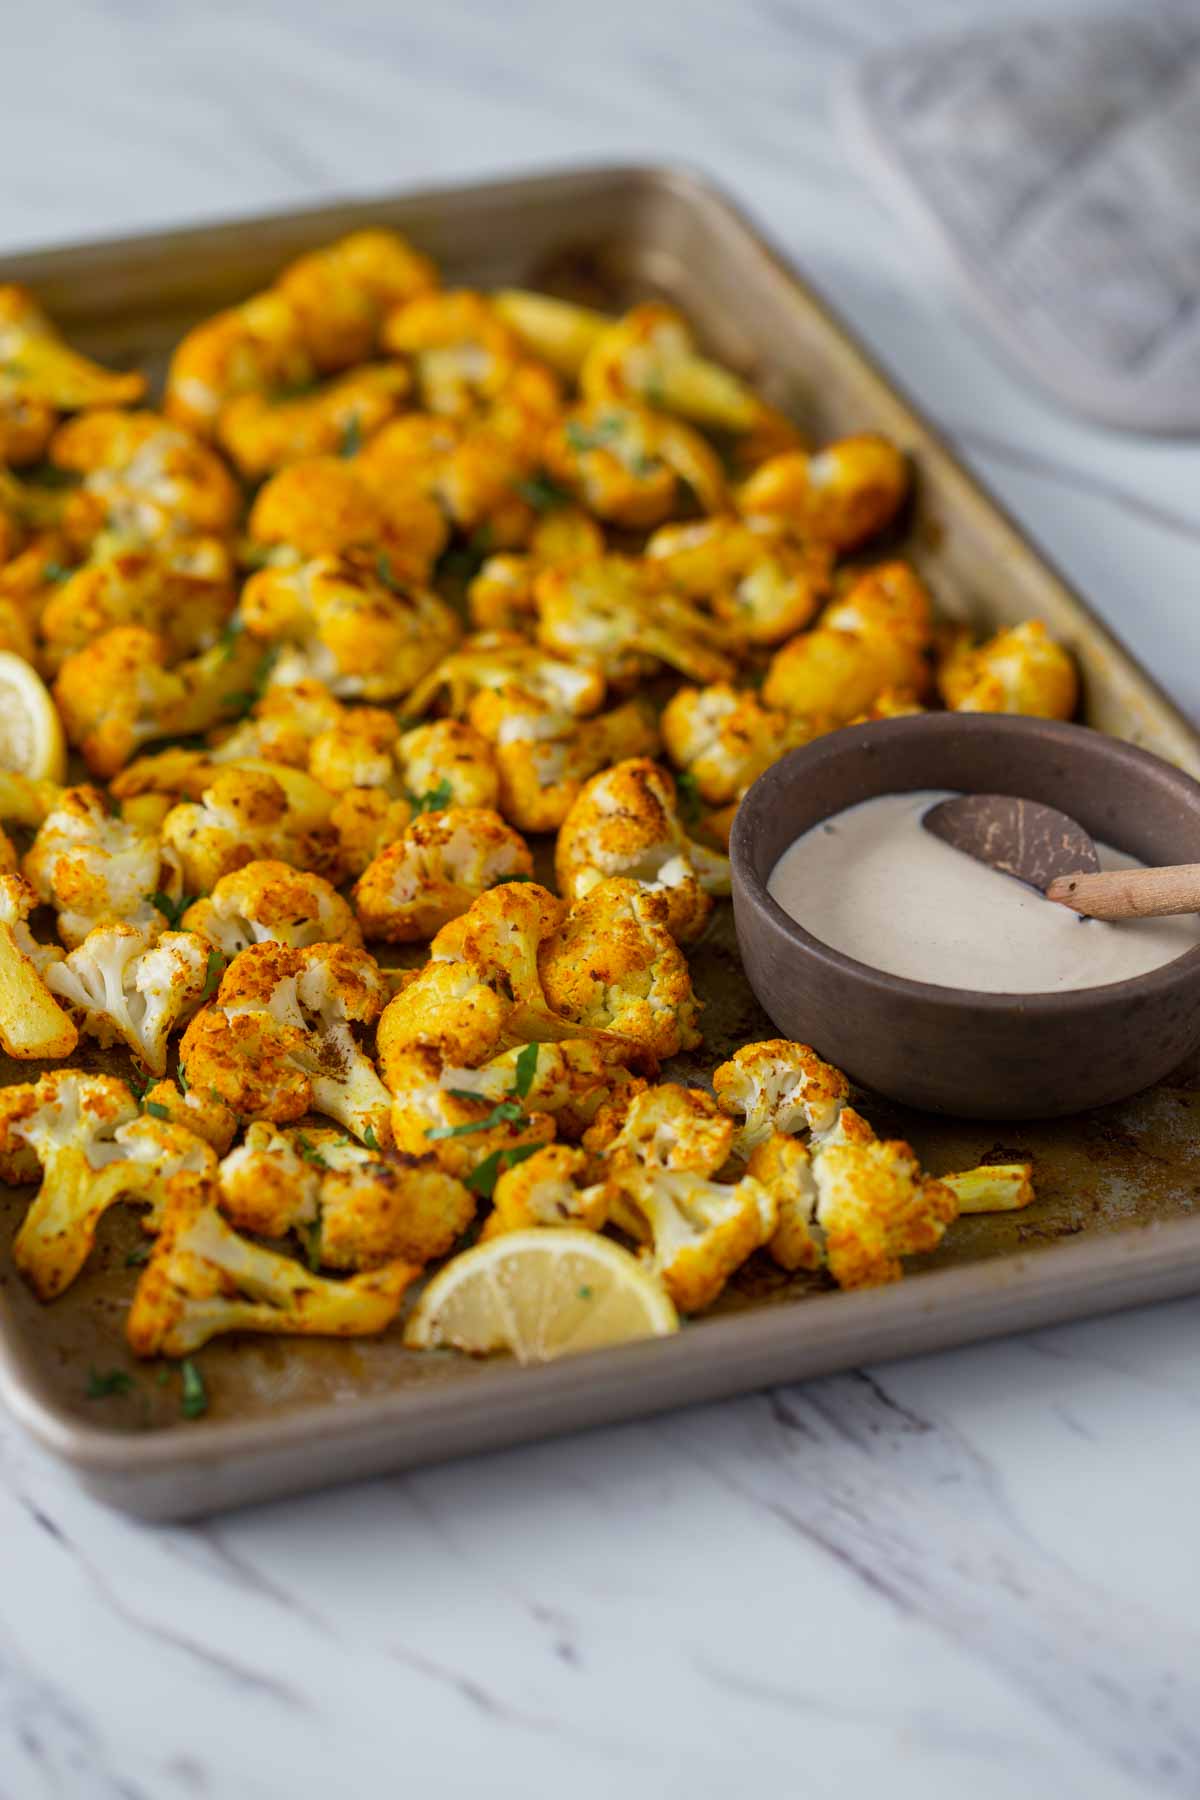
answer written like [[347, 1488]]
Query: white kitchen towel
[[1057, 165]]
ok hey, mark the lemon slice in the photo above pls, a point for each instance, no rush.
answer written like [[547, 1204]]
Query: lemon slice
[[31, 736], [540, 1294]]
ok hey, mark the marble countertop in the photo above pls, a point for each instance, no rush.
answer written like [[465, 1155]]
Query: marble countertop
[[975, 1572]]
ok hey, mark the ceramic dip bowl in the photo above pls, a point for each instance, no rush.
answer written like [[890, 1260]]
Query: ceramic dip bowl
[[953, 1050]]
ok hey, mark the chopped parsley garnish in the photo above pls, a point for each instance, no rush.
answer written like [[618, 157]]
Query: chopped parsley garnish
[[525, 1069], [585, 1293], [655, 392], [56, 572], [383, 568], [103, 1382], [595, 436], [689, 797], [138, 1083], [172, 910], [505, 1112], [137, 1256], [435, 799], [352, 436], [482, 1180], [156, 1109], [542, 493], [230, 632], [309, 1151], [193, 1400], [183, 1080], [243, 700], [212, 976], [312, 1244], [369, 1138]]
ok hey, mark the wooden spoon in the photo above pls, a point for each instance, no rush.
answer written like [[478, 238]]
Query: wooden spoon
[[1053, 853]]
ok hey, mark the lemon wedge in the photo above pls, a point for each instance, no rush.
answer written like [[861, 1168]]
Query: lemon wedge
[[540, 1295], [31, 735]]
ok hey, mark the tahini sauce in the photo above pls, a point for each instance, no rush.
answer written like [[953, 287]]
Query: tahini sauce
[[873, 884]]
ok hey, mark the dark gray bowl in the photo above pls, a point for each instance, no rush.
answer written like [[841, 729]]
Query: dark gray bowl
[[952, 1050]]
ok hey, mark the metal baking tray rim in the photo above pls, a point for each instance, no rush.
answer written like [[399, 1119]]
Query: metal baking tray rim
[[786, 1340], [1156, 1260]]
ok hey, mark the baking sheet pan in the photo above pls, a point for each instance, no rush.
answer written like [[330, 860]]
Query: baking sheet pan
[[1113, 1225]]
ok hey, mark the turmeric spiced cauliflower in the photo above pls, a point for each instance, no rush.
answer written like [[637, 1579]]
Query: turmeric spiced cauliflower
[[390, 609]]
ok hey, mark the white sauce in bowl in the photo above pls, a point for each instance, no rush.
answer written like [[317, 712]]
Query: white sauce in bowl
[[872, 883]]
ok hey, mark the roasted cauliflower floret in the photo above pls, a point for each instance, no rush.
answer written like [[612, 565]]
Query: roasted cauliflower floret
[[501, 597], [199, 1112], [665, 1127], [778, 1085], [628, 464], [26, 423], [264, 432], [571, 1079], [558, 331], [182, 591], [723, 738], [543, 1190], [992, 1187], [481, 991], [280, 1039], [468, 474], [121, 983], [613, 964], [892, 703], [366, 820], [145, 478], [93, 1149], [32, 1023], [875, 637], [447, 1009], [269, 900], [16, 629], [354, 1208], [432, 874], [626, 822], [496, 661], [657, 1173], [251, 815], [650, 356], [470, 366], [342, 292], [621, 616], [325, 506], [875, 1206], [466, 1136], [543, 756], [203, 1278], [753, 573], [95, 869], [701, 1231], [44, 372], [1021, 670], [252, 348], [448, 757], [115, 694], [365, 637], [784, 1167], [446, 763], [842, 496]]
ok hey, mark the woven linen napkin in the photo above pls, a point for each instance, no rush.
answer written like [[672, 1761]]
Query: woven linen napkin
[[1057, 166]]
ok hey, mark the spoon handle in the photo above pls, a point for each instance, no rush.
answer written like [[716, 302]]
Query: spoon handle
[[1130, 893]]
